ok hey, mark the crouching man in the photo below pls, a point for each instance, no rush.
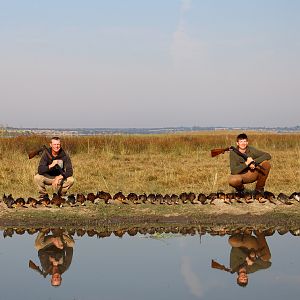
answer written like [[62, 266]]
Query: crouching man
[[55, 169]]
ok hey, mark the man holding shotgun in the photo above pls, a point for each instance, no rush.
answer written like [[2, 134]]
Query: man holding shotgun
[[55, 168], [252, 166]]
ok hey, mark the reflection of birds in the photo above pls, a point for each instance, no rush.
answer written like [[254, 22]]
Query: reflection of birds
[[8, 232]]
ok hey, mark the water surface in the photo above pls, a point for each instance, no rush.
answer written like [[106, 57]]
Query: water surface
[[145, 266]]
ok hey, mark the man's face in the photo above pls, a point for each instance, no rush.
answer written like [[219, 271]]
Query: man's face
[[242, 144], [56, 279], [243, 278], [55, 145]]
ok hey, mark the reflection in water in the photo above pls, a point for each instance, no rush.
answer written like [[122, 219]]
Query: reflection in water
[[249, 254], [55, 252], [122, 267]]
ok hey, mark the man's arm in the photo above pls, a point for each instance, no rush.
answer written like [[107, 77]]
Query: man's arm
[[258, 155], [68, 166], [237, 163]]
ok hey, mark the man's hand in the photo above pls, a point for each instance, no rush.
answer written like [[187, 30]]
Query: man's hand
[[53, 164], [249, 163], [57, 181]]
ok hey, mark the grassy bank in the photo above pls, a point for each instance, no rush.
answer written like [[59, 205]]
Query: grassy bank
[[149, 163]]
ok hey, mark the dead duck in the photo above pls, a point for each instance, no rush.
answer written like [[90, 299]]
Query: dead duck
[[143, 198], [183, 198], [202, 198], [212, 197], [259, 196], [238, 197], [192, 198], [151, 198], [163, 199], [248, 197], [175, 199], [20, 202], [118, 198], [295, 196], [159, 199], [270, 197], [105, 196], [71, 200], [229, 197], [57, 200], [168, 199], [222, 197], [32, 202], [283, 198], [133, 198], [92, 197], [80, 198], [8, 200], [45, 200]]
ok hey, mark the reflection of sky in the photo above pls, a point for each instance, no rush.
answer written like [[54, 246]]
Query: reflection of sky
[[145, 268]]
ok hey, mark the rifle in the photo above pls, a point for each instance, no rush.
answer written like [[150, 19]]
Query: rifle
[[217, 151], [32, 154], [216, 265], [33, 266]]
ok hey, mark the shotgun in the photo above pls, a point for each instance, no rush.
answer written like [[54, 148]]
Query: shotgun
[[216, 265], [217, 151], [33, 266], [32, 154]]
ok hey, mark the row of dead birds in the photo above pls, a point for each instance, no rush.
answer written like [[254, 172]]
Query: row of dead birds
[[132, 198], [183, 230]]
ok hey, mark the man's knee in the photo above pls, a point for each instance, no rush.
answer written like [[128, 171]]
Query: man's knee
[[70, 181], [266, 164], [235, 180], [38, 179]]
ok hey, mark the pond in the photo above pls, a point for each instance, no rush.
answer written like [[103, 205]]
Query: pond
[[149, 264]]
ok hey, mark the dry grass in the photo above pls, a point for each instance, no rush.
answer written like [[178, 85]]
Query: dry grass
[[150, 163]]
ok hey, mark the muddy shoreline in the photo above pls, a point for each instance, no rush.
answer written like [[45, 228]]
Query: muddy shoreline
[[104, 216]]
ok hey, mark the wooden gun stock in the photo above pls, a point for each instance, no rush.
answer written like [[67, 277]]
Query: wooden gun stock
[[34, 153], [216, 265], [218, 151]]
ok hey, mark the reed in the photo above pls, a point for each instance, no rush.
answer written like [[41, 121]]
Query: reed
[[170, 163]]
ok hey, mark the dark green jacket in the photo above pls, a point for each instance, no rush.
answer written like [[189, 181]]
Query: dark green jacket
[[237, 163]]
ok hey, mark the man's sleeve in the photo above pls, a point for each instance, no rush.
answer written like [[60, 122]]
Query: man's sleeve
[[68, 166], [43, 167], [259, 156], [237, 163]]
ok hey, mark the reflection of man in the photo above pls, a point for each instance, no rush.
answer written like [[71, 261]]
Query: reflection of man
[[248, 255], [55, 253]]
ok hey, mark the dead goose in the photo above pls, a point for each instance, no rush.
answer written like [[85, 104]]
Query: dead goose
[[118, 198], [183, 198], [71, 200], [248, 197], [175, 199], [259, 196], [143, 198], [212, 197], [152, 198], [295, 196], [133, 198], [105, 196]]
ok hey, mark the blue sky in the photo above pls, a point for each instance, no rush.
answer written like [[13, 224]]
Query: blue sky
[[149, 63]]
